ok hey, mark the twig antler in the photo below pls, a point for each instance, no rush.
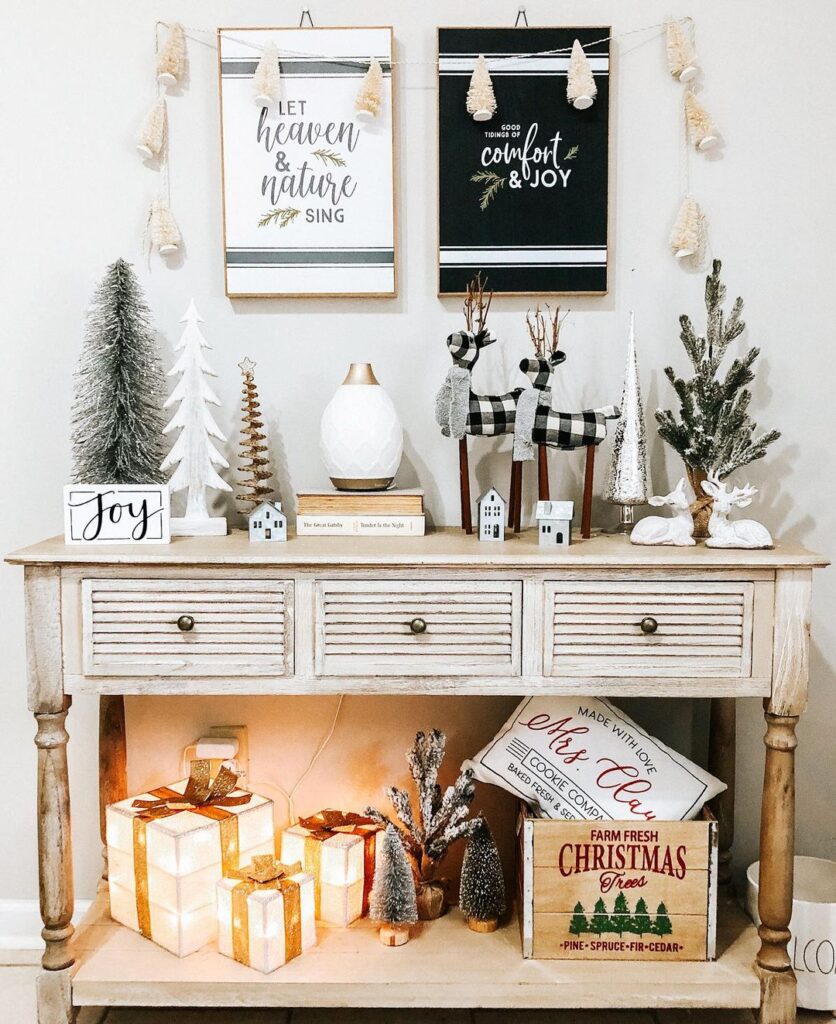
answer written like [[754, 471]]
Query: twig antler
[[543, 327], [475, 306]]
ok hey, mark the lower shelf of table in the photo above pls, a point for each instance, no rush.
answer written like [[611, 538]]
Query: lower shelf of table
[[444, 965]]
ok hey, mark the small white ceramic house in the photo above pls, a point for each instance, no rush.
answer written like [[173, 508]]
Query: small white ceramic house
[[491, 515], [554, 522], [268, 522]]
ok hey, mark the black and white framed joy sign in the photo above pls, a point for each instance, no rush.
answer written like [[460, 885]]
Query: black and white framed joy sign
[[116, 514], [522, 197], [308, 186]]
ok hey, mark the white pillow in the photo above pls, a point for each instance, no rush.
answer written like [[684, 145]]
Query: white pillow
[[571, 757]]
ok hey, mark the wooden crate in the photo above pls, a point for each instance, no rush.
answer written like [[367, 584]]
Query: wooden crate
[[570, 875]]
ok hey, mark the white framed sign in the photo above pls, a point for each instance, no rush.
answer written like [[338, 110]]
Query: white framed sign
[[308, 188], [116, 514]]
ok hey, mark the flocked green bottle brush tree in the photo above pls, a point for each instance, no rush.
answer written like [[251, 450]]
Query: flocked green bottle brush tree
[[714, 433]]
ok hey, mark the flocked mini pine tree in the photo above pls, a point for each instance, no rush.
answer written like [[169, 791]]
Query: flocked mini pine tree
[[119, 388], [253, 452], [481, 101], [482, 888], [581, 89], [267, 77], [370, 95], [193, 453], [392, 902]]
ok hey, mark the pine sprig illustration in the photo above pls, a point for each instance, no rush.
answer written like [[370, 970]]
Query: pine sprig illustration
[[573, 152], [280, 215], [492, 182], [329, 156]]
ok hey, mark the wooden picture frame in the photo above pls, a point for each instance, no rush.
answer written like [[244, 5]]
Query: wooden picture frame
[[342, 243], [571, 244]]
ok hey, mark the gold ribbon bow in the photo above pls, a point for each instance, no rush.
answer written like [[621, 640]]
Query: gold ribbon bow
[[202, 795], [328, 823], [266, 872]]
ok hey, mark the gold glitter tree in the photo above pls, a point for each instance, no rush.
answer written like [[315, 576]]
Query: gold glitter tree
[[254, 463]]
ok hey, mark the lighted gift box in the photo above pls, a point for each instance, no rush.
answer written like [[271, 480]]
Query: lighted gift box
[[266, 914], [340, 851], [167, 850]]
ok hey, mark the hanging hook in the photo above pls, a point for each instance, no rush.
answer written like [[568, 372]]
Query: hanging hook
[[306, 13], [521, 14]]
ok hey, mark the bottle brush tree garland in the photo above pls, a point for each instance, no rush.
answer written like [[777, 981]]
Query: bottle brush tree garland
[[370, 97], [714, 435], [688, 234], [117, 417], [682, 57], [165, 235], [581, 89], [267, 78], [701, 128], [392, 901], [151, 140], [171, 58], [254, 469], [440, 818], [481, 101], [482, 889]]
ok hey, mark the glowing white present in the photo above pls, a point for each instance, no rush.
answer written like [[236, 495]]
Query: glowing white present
[[340, 851], [167, 850], [266, 914]]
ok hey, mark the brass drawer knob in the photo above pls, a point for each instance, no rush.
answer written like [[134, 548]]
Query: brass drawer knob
[[185, 623], [418, 626], [648, 624]]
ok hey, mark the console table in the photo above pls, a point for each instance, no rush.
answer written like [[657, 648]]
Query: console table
[[438, 614]]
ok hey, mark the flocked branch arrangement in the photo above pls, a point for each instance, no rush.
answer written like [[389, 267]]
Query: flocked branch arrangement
[[714, 432], [438, 818]]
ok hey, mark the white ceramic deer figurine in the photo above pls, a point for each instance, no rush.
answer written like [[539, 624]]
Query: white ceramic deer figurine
[[677, 530], [743, 533]]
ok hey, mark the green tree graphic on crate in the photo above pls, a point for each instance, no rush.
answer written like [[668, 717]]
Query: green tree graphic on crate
[[578, 924], [641, 923], [662, 925], [620, 920], [600, 921]]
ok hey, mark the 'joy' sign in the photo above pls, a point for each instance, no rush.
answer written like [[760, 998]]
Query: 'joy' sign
[[116, 514]]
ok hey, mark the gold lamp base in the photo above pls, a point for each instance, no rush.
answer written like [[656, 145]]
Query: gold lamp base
[[369, 484]]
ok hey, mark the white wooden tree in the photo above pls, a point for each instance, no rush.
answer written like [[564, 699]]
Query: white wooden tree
[[193, 453]]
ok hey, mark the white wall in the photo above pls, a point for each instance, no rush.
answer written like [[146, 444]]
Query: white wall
[[77, 79]]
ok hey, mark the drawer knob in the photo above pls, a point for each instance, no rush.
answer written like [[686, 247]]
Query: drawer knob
[[418, 626], [648, 624], [185, 623]]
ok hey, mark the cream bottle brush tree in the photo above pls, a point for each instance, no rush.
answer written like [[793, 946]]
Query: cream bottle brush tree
[[193, 453], [481, 101]]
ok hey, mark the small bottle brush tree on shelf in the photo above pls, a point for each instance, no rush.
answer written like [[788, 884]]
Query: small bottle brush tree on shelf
[[714, 435], [439, 820], [254, 468], [482, 889], [392, 902], [117, 414]]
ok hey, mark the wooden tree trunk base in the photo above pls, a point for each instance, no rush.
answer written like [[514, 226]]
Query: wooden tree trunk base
[[394, 934], [483, 926]]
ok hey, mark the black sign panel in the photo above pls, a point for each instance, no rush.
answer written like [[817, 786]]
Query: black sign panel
[[523, 196]]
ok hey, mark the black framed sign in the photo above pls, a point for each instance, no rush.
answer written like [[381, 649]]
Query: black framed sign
[[522, 197]]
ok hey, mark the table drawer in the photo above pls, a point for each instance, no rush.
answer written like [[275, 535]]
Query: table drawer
[[368, 627], [240, 627], [701, 628]]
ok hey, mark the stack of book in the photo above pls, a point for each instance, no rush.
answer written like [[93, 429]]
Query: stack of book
[[395, 513]]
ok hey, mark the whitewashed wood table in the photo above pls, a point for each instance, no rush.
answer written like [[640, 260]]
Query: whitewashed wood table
[[439, 614]]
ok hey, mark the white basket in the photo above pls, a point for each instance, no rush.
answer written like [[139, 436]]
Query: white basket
[[812, 947]]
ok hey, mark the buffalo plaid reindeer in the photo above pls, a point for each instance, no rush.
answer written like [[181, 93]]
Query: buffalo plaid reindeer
[[458, 410], [538, 424]]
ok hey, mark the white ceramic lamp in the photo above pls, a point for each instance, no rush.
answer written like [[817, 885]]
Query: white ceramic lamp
[[361, 438]]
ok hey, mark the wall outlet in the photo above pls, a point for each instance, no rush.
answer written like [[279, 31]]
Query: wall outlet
[[237, 732]]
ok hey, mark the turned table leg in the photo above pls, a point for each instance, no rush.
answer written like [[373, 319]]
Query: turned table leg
[[721, 763], [55, 860], [777, 841]]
